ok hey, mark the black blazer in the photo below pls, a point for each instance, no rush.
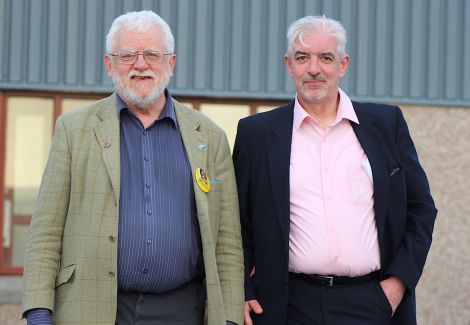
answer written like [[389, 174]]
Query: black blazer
[[404, 208]]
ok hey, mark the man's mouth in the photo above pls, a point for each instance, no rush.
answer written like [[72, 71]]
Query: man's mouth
[[141, 77], [314, 82]]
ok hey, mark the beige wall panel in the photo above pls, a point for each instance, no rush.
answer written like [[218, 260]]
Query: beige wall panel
[[188, 104], [264, 108], [442, 138], [227, 117], [69, 104]]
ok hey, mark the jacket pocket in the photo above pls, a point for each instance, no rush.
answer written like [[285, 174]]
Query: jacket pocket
[[65, 275], [383, 298]]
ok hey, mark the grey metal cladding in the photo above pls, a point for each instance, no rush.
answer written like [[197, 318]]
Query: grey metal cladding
[[401, 51]]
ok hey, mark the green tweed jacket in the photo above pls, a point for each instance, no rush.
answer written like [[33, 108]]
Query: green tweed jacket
[[71, 255]]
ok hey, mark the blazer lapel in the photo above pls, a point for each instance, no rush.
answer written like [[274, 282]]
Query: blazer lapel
[[193, 139], [107, 132], [371, 141], [278, 147]]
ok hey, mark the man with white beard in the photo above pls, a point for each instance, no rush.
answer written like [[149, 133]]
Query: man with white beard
[[137, 215]]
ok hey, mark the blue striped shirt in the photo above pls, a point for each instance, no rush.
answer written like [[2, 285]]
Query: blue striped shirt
[[159, 238]]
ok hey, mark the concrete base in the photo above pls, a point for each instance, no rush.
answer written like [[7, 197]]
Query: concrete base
[[10, 315], [10, 289]]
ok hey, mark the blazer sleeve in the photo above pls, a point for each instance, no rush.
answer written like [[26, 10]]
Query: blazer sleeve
[[408, 262], [242, 171], [44, 240], [229, 251]]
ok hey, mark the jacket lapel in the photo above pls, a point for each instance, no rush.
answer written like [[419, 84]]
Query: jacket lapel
[[107, 133], [278, 147], [371, 141], [193, 138]]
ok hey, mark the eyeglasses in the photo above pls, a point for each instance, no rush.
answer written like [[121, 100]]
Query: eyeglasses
[[151, 57]]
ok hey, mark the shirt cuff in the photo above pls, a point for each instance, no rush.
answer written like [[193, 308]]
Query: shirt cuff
[[39, 316]]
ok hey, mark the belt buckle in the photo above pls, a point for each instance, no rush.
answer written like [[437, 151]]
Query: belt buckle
[[330, 280]]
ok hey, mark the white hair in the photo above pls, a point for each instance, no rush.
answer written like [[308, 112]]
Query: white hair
[[140, 21], [316, 24]]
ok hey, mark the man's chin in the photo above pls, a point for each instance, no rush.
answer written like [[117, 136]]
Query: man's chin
[[140, 100], [142, 97], [316, 96]]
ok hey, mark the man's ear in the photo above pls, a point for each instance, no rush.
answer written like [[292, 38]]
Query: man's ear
[[172, 62], [288, 63], [344, 65], [107, 65]]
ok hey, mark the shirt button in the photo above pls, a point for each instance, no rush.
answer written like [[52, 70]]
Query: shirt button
[[147, 185], [111, 274], [145, 271], [145, 132], [149, 211], [112, 238], [146, 158], [149, 241]]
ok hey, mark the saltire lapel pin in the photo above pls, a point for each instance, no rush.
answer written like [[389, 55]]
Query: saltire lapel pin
[[202, 179], [201, 146], [107, 144]]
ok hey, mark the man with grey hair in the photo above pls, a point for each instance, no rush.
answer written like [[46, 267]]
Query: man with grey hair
[[137, 215], [336, 211]]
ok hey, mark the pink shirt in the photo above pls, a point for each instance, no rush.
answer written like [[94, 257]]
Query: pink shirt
[[332, 224]]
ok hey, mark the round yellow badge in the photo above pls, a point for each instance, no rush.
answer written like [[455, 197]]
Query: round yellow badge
[[203, 180]]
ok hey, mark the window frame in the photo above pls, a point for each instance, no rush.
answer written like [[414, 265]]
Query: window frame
[[57, 98]]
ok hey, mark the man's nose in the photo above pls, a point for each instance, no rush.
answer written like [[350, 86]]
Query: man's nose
[[140, 63], [314, 66]]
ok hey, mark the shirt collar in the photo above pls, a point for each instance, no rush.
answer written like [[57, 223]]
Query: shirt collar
[[168, 110], [345, 111]]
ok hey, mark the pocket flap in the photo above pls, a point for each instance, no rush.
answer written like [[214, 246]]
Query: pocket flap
[[65, 274]]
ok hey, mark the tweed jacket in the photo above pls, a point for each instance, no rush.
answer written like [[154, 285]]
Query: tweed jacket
[[71, 255]]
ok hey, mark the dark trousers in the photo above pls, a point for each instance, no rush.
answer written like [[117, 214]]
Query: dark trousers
[[357, 304], [182, 306]]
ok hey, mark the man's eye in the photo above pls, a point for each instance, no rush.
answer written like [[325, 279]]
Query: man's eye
[[152, 55], [327, 59], [127, 56], [301, 58]]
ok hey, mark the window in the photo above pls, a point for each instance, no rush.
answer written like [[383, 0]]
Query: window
[[28, 138], [69, 104], [26, 127]]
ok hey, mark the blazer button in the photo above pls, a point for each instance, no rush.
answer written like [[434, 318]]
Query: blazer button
[[111, 274], [112, 238]]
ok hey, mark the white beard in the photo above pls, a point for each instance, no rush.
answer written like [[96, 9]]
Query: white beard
[[132, 97]]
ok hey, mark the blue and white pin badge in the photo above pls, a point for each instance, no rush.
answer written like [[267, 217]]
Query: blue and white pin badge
[[201, 146]]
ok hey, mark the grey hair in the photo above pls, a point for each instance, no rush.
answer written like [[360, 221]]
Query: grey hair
[[140, 21], [316, 24]]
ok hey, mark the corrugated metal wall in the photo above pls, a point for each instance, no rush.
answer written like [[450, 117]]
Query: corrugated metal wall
[[401, 50]]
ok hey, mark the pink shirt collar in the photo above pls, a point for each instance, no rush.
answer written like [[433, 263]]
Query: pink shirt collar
[[345, 111]]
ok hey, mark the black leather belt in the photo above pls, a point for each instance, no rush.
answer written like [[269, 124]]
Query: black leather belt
[[333, 280]]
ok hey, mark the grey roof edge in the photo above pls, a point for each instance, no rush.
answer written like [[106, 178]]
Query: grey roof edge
[[240, 95]]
